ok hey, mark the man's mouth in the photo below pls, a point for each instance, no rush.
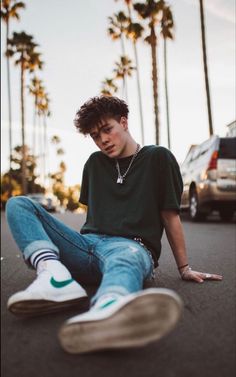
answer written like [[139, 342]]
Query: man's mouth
[[109, 149]]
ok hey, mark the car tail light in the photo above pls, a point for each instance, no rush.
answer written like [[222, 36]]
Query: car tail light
[[213, 161]]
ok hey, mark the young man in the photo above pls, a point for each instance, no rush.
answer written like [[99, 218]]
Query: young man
[[132, 194]]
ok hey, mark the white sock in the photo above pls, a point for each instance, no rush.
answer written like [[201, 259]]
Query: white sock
[[45, 260], [43, 254]]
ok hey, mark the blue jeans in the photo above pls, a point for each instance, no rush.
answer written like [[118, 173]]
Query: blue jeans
[[117, 264]]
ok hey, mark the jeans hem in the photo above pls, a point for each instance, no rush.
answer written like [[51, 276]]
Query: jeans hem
[[38, 245]]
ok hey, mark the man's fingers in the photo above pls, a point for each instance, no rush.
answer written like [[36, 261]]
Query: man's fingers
[[207, 276], [194, 276], [199, 277], [216, 277]]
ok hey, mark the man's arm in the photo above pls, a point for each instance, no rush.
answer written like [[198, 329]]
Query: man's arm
[[175, 236]]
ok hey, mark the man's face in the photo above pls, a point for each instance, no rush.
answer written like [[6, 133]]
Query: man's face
[[111, 137]]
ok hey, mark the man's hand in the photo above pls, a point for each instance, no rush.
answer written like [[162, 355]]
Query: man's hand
[[199, 277], [175, 235]]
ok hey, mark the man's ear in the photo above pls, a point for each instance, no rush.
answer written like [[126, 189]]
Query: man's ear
[[124, 123]]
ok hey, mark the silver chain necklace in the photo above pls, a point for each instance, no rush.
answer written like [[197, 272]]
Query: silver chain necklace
[[120, 178]]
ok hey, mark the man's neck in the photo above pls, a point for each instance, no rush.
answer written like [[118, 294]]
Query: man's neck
[[130, 149]]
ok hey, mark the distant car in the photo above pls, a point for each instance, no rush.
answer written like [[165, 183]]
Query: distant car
[[209, 177], [50, 203]]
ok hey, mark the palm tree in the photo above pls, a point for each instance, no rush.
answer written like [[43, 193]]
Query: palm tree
[[58, 177], [55, 140], [109, 88], [124, 68], [37, 90], [117, 26], [44, 112], [211, 132], [22, 46], [151, 10], [35, 62], [167, 25], [116, 30], [134, 32], [9, 9]]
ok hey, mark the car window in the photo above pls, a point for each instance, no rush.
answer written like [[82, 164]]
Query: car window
[[195, 153], [227, 148]]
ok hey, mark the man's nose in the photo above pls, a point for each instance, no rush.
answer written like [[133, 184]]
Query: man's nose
[[104, 138]]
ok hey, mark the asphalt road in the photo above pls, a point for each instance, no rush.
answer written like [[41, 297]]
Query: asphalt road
[[203, 344]]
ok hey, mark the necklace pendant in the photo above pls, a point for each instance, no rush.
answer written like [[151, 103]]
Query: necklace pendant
[[119, 180]]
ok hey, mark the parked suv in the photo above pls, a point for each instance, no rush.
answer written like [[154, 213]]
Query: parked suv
[[209, 176]]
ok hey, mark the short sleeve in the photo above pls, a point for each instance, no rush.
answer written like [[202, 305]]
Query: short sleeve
[[84, 186], [170, 180]]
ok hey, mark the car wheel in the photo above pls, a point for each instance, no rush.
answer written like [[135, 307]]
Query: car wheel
[[226, 214], [194, 211]]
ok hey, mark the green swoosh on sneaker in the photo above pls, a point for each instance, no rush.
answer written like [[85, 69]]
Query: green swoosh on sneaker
[[107, 304], [60, 284]]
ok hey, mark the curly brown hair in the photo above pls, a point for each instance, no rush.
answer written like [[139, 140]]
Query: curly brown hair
[[93, 111]]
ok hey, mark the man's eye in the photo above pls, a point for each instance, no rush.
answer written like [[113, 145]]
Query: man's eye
[[107, 129]]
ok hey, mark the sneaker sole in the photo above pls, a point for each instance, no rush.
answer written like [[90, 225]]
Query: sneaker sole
[[29, 308], [143, 320]]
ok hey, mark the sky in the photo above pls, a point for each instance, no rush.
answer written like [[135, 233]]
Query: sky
[[78, 55]]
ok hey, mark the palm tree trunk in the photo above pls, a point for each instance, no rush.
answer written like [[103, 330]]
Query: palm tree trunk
[[24, 182], [44, 149], [34, 125], [9, 112], [40, 149], [125, 89], [155, 81], [138, 80], [166, 94], [211, 132], [139, 92]]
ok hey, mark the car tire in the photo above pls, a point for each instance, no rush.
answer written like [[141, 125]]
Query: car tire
[[194, 210], [226, 214]]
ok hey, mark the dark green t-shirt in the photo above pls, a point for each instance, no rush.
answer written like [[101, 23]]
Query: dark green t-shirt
[[132, 209]]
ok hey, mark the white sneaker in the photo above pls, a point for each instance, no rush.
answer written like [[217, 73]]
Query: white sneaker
[[47, 295], [130, 321]]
